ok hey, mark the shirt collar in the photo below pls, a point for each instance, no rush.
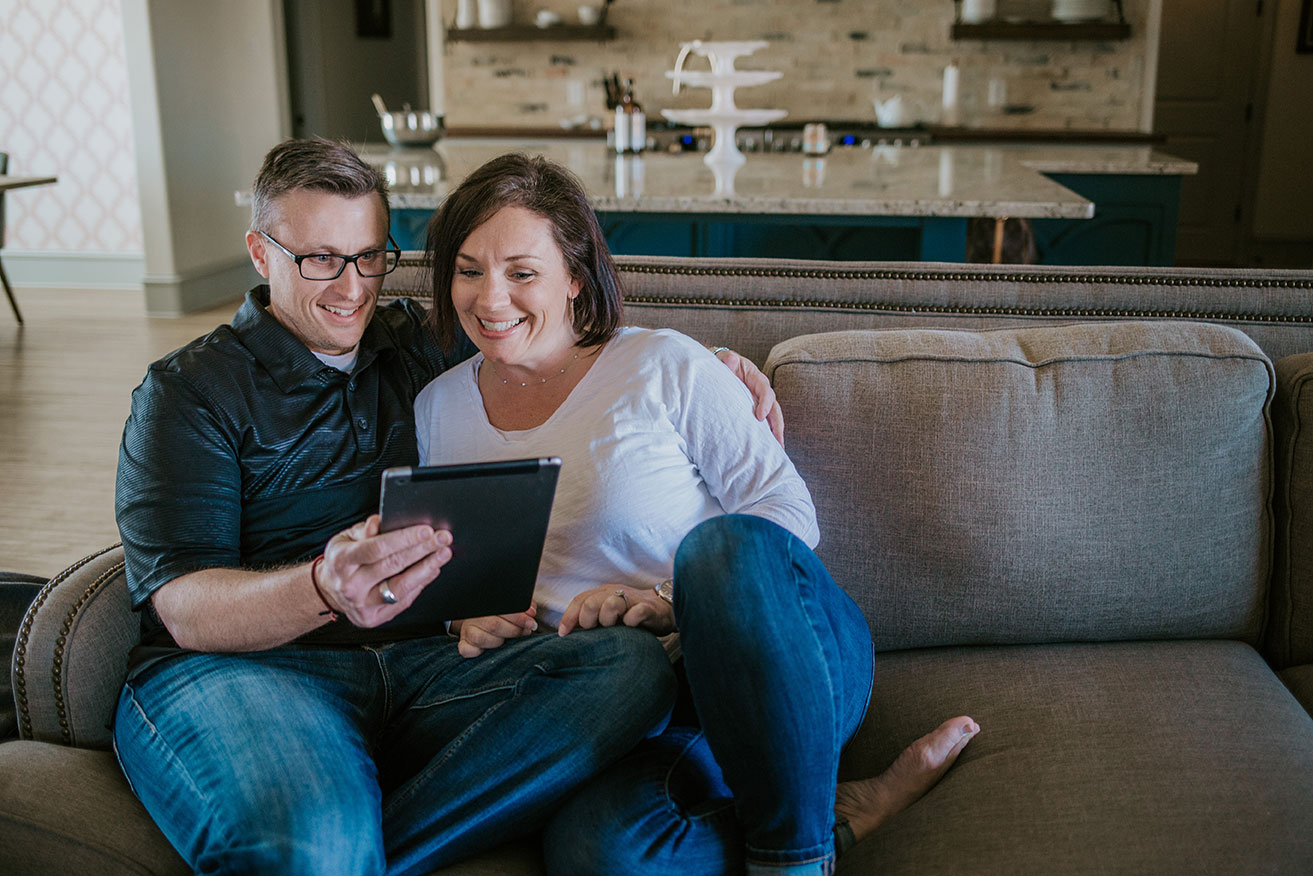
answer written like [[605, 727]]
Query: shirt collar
[[289, 361]]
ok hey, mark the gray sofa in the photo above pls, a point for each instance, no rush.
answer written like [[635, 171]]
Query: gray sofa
[[1076, 504]]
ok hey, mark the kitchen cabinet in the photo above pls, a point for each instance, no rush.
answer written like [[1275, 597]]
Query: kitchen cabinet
[[1103, 204], [1134, 222], [829, 238]]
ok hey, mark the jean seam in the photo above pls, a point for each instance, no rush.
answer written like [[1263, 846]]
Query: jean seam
[[823, 855], [384, 677], [178, 765], [423, 776], [836, 742], [452, 747], [512, 684], [677, 812]]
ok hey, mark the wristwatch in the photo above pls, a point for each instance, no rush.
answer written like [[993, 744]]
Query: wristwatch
[[666, 590]]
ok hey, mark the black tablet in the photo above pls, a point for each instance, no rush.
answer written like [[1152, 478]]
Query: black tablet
[[497, 513]]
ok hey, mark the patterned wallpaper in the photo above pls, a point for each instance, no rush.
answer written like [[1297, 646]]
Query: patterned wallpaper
[[837, 56], [64, 112]]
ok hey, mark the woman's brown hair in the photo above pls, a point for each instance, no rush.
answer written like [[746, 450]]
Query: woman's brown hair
[[552, 192]]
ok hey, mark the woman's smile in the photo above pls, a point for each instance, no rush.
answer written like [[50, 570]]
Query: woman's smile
[[514, 294], [501, 326]]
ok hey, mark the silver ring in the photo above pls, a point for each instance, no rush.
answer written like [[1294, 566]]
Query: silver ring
[[621, 593], [386, 592]]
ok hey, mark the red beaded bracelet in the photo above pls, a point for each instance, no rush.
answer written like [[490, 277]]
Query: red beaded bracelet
[[330, 614]]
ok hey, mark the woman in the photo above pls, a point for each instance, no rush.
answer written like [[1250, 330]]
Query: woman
[[666, 475]]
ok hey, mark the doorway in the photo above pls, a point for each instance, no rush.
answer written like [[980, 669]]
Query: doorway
[[1208, 65], [339, 52]]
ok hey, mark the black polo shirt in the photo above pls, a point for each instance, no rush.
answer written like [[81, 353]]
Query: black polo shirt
[[243, 450]]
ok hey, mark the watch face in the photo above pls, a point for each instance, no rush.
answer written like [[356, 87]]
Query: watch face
[[666, 590]]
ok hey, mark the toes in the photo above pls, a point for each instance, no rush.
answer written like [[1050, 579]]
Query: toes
[[936, 750], [948, 739]]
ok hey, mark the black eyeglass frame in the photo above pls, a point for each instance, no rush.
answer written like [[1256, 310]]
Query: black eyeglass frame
[[346, 260]]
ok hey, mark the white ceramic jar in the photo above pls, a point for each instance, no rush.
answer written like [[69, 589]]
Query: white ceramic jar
[[976, 11], [1080, 10], [467, 14], [494, 13]]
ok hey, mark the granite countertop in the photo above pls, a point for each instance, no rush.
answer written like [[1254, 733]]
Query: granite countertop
[[958, 180], [1132, 160]]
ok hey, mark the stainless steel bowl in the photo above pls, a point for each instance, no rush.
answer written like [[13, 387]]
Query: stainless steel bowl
[[416, 128]]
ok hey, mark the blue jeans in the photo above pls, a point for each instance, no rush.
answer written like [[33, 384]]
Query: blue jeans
[[780, 664], [396, 758]]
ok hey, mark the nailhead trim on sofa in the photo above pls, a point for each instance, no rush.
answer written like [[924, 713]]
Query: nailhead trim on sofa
[[25, 632]]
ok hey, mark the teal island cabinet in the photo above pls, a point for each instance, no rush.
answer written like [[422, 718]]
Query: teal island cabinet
[[910, 203], [1136, 193]]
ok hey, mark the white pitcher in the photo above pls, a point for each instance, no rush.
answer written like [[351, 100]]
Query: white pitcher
[[890, 113]]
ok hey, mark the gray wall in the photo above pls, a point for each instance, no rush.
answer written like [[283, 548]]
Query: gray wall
[[207, 84]]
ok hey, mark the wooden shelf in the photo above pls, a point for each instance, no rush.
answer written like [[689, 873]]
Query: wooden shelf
[[1042, 30], [528, 33]]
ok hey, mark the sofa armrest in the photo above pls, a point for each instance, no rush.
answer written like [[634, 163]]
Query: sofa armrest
[[72, 653], [1289, 638]]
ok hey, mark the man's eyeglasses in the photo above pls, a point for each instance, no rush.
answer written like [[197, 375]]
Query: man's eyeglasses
[[329, 266]]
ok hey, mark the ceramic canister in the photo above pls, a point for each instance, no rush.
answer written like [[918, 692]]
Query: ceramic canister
[[494, 13]]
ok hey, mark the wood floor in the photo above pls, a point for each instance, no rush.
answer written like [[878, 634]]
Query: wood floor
[[66, 377]]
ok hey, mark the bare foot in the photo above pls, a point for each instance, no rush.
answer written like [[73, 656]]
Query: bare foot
[[869, 803]]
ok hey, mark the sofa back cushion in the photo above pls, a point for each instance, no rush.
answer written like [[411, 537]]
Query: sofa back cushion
[[1087, 482]]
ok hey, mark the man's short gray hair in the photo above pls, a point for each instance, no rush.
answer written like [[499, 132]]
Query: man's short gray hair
[[317, 164]]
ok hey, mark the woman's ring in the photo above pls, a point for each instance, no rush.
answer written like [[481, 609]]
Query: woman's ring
[[619, 591], [386, 592]]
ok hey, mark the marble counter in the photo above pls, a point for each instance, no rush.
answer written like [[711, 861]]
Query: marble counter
[[926, 181], [1089, 203], [1129, 160]]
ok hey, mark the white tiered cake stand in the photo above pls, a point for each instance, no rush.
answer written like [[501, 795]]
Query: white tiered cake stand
[[723, 116]]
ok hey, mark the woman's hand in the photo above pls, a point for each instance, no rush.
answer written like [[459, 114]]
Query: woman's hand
[[764, 405], [609, 606], [479, 634]]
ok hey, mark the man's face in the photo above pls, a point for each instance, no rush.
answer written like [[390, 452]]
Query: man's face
[[328, 316]]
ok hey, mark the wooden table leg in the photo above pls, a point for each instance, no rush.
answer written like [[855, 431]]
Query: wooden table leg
[[998, 239], [10, 292]]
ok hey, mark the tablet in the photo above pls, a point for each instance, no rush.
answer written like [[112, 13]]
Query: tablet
[[497, 514]]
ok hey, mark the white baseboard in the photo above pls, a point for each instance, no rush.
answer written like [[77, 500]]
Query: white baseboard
[[200, 288], [74, 270]]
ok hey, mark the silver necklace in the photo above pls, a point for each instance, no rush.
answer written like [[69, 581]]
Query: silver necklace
[[541, 380]]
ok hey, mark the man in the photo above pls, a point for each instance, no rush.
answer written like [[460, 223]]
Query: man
[[268, 723]]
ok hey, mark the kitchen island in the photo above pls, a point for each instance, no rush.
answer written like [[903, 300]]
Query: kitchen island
[[877, 202]]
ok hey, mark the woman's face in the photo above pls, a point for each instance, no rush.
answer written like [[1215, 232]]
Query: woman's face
[[512, 291]]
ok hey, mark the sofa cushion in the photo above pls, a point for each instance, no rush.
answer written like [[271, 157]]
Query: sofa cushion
[[1088, 482], [69, 810], [1290, 628], [1165, 758]]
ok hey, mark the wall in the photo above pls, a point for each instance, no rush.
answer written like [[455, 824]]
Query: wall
[[208, 83], [1284, 202], [836, 55], [64, 112]]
